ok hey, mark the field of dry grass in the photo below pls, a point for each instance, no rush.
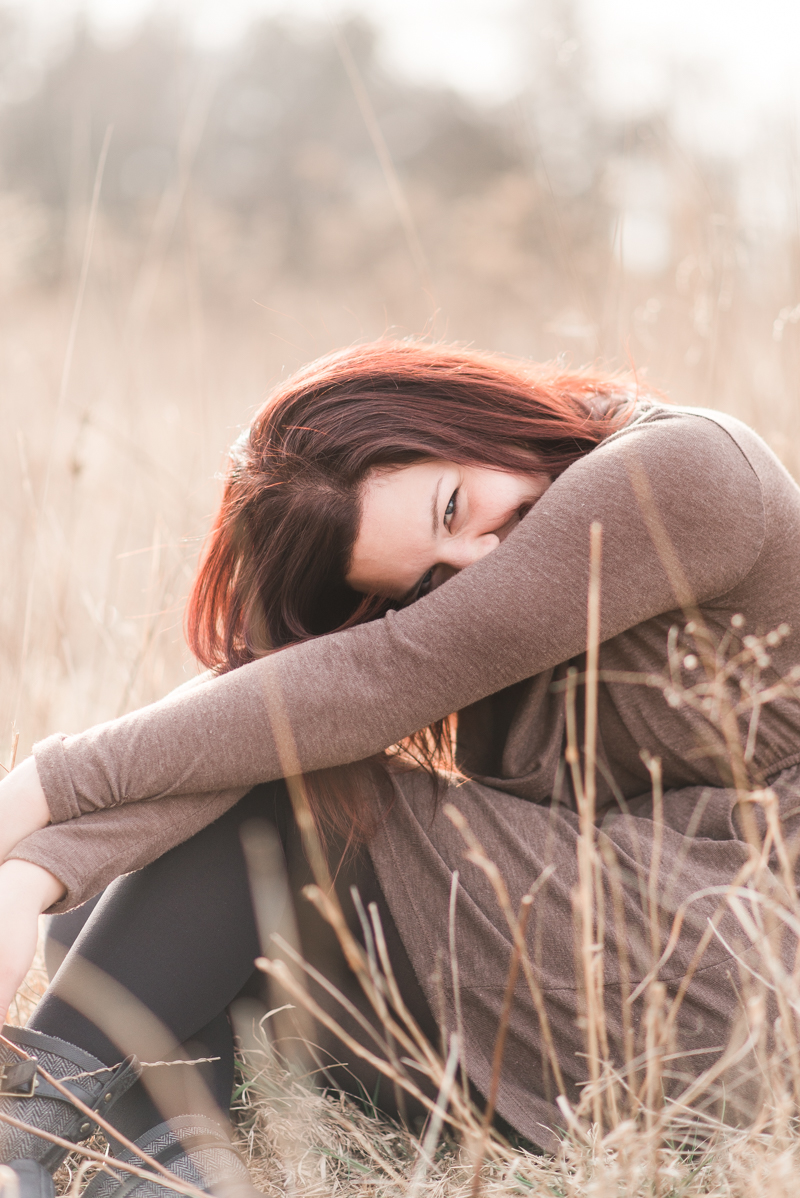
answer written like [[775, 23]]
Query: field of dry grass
[[124, 377]]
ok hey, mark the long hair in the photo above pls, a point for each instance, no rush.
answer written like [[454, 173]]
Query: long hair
[[274, 566]]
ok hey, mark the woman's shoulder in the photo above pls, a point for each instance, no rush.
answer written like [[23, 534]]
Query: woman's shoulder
[[664, 430], [682, 420]]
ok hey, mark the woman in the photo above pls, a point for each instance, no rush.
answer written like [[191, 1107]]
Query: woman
[[410, 525]]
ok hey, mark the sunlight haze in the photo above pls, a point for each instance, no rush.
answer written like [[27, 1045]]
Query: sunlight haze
[[735, 58]]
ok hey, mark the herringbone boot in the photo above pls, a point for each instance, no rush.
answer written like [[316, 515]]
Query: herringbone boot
[[25, 1095], [195, 1149]]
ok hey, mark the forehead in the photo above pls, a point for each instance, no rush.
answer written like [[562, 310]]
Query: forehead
[[397, 529], [396, 481]]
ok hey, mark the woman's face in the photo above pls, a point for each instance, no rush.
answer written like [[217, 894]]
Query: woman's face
[[421, 524]]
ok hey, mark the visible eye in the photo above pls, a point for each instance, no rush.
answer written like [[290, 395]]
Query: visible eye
[[424, 587], [450, 510]]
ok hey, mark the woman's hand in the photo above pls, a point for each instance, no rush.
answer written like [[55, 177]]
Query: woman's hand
[[25, 891], [23, 807]]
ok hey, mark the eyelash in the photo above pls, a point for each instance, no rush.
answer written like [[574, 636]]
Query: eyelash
[[448, 514]]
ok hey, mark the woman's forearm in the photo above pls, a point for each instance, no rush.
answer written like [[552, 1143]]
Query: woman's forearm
[[25, 891], [23, 806], [88, 853], [31, 887]]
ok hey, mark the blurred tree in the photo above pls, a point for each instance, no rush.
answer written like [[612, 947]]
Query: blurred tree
[[284, 137], [50, 139]]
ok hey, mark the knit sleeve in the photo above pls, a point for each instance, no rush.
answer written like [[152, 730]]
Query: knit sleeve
[[88, 853]]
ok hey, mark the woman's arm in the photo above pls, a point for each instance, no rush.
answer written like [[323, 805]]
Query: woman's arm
[[51, 864], [515, 613], [86, 854], [23, 807], [25, 891]]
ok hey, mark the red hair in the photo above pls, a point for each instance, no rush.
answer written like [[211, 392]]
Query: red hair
[[273, 570]]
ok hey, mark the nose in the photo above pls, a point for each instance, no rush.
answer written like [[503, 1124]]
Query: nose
[[463, 553]]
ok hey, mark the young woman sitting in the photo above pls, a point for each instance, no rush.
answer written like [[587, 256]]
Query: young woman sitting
[[405, 535]]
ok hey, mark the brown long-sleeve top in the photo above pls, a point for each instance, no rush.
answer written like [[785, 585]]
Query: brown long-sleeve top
[[694, 508]]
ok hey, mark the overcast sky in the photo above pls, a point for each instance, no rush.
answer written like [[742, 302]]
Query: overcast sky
[[735, 57]]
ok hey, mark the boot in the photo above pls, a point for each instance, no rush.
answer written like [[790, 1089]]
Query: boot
[[25, 1095], [31, 1180], [195, 1149]]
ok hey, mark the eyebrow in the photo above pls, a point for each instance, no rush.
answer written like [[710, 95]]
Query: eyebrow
[[435, 509]]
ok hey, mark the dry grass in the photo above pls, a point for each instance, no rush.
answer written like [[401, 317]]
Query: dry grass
[[106, 482], [336, 1148]]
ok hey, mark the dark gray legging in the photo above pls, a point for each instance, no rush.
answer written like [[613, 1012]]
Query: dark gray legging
[[180, 935]]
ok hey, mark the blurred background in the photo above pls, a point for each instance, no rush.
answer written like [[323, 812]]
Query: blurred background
[[197, 198]]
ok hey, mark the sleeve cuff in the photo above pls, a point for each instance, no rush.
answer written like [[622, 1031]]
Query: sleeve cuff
[[56, 780], [87, 854]]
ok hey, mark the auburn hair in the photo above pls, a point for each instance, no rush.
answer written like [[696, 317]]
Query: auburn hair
[[273, 569]]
